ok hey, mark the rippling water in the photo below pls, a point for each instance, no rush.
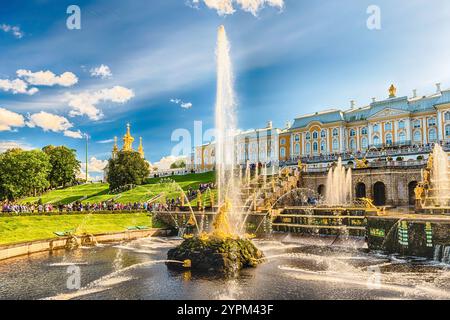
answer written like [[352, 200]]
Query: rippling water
[[297, 268]]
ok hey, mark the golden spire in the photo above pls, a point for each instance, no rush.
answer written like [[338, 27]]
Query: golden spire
[[392, 91], [141, 148], [115, 148], [128, 140]]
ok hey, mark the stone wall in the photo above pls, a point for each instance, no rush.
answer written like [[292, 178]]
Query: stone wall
[[397, 182]]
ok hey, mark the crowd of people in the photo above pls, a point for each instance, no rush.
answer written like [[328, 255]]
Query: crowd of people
[[169, 204]]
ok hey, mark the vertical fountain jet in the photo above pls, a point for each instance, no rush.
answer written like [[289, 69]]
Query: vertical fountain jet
[[225, 131], [440, 177], [338, 190]]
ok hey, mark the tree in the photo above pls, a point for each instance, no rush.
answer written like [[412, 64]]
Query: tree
[[64, 164], [178, 164], [127, 168], [23, 173]]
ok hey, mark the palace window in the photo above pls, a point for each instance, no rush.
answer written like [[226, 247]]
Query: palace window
[[297, 138], [432, 136], [447, 131], [417, 136], [335, 145], [376, 140], [352, 132], [308, 148], [315, 135], [364, 131], [322, 146], [283, 152], [323, 134], [335, 132], [352, 145], [315, 147], [388, 126], [431, 122], [364, 143], [402, 137], [417, 124], [283, 142], [389, 139], [401, 124], [447, 116], [297, 149], [308, 136], [376, 128]]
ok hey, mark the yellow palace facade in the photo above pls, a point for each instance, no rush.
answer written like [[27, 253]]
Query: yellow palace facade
[[396, 121]]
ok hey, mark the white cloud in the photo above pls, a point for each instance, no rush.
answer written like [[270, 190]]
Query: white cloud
[[166, 162], [226, 7], [49, 122], [14, 30], [7, 145], [107, 141], [48, 78], [10, 120], [95, 165], [102, 71], [73, 134], [184, 105], [16, 86], [85, 103]]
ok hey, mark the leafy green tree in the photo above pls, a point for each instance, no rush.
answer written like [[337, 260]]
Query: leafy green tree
[[178, 164], [64, 164], [127, 168], [23, 173]]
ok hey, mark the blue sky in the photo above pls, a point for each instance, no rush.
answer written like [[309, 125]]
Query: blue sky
[[309, 56]]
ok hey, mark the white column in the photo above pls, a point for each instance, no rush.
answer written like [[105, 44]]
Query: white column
[[370, 132], [408, 129], [439, 126], [342, 139]]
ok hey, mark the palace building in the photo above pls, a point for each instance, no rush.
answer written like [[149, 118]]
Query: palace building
[[394, 123], [128, 140]]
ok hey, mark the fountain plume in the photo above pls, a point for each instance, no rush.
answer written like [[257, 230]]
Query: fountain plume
[[339, 185], [225, 130]]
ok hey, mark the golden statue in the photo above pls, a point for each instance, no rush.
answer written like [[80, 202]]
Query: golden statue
[[430, 162], [392, 91], [199, 200], [221, 224], [418, 191], [128, 140], [361, 164], [300, 165]]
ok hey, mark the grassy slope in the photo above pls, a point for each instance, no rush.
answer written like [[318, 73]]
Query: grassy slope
[[28, 228], [98, 192]]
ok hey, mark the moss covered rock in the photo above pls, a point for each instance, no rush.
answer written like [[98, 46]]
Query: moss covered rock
[[217, 255]]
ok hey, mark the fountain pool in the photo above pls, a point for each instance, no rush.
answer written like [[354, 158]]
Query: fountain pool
[[296, 268]]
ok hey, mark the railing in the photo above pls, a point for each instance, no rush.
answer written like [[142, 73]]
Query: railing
[[376, 164], [392, 151]]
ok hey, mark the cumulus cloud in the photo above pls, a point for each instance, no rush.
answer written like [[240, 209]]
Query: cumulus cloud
[[47, 78], [10, 120], [73, 134], [85, 103], [7, 145], [16, 86], [184, 105], [166, 162], [102, 71], [95, 165], [226, 7], [14, 30], [52, 122]]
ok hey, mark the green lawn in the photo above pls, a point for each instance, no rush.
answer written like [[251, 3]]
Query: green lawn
[[98, 192], [29, 228]]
